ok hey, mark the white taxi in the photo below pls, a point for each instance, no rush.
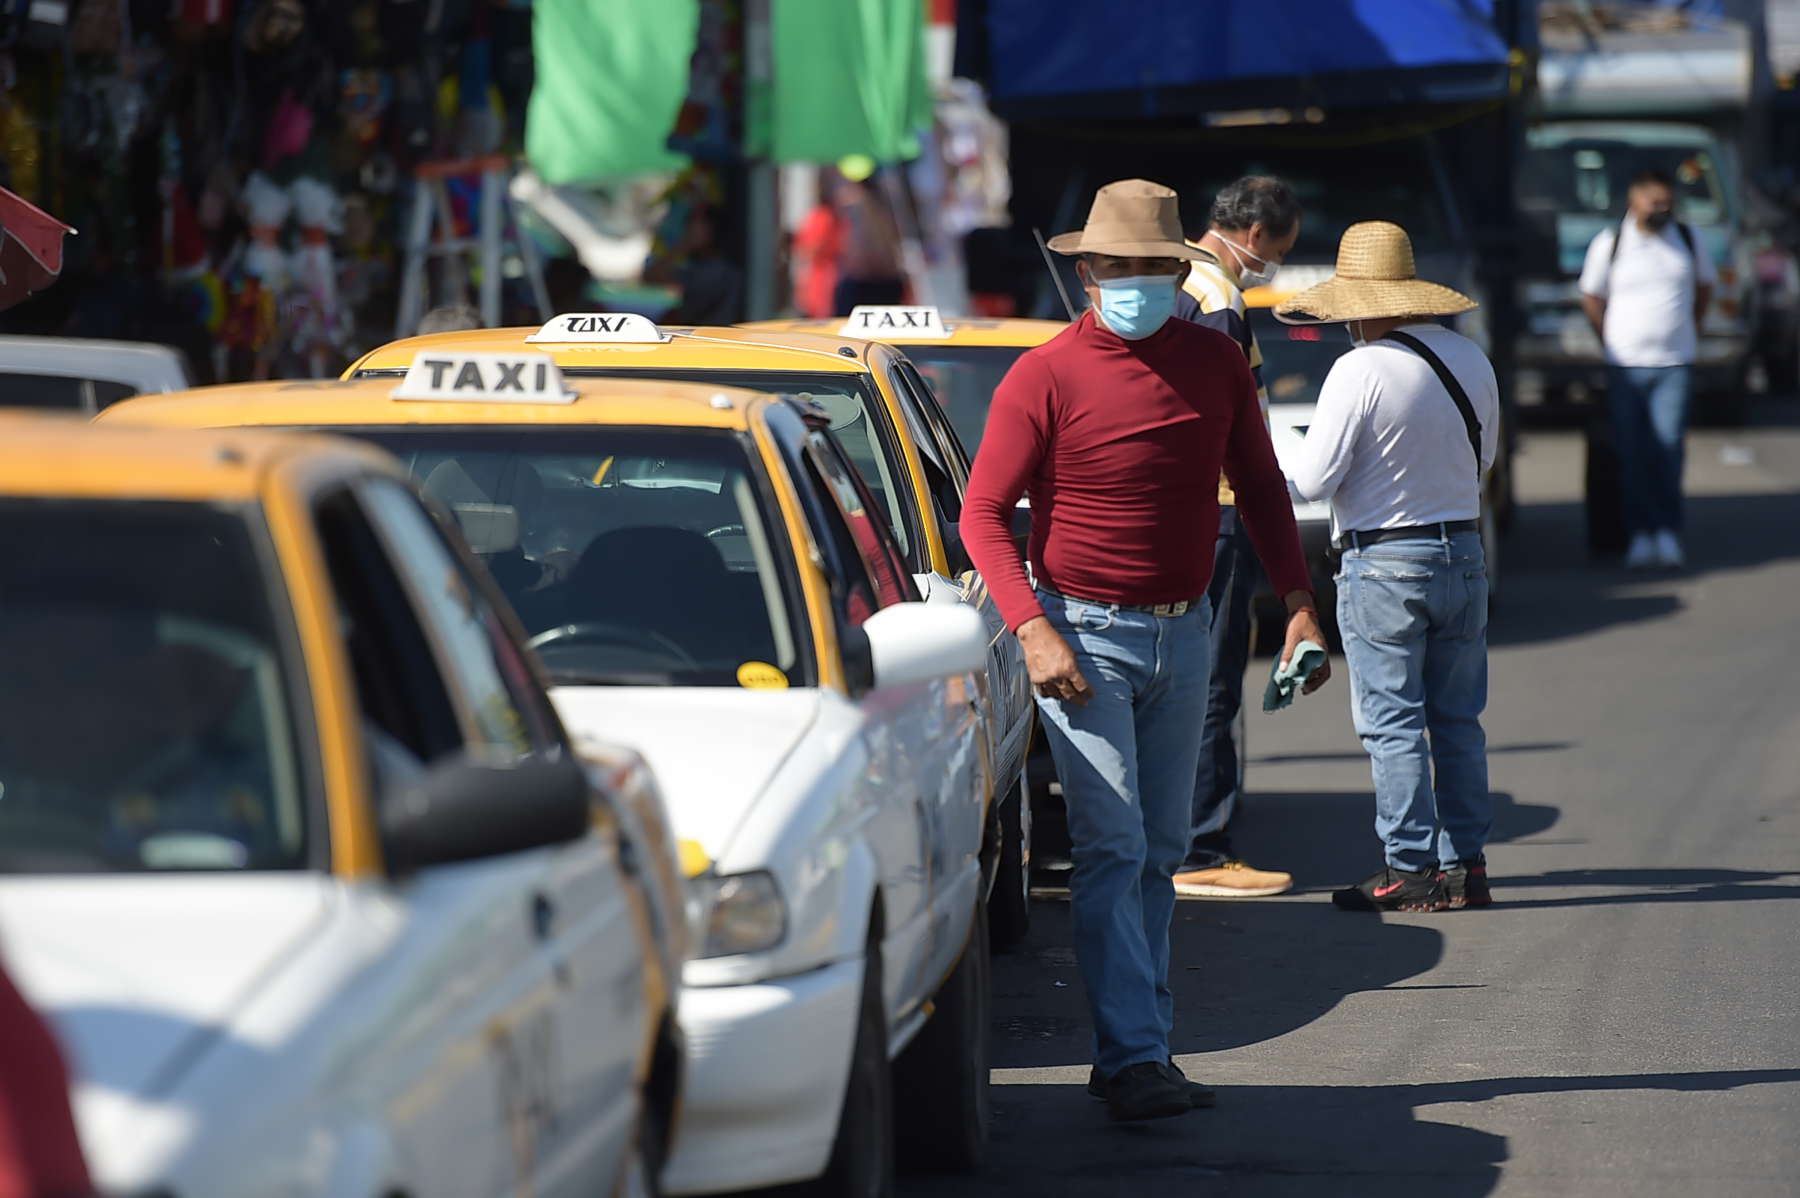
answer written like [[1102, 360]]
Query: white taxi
[[293, 849], [707, 578]]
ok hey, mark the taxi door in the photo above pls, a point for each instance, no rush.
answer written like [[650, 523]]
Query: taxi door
[[930, 731], [947, 468], [526, 982]]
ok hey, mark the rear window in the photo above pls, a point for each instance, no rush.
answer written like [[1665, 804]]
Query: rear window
[[145, 713]]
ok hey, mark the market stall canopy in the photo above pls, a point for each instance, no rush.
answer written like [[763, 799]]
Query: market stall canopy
[[611, 77], [1175, 58], [31, 248], [850, 78]]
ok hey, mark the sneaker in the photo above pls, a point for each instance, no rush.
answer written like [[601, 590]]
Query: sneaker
[[1668, 551], [1467, 886], [1390, 889], [1145, 1091], [1231, 879], [1642, 555], [1198, 1095]]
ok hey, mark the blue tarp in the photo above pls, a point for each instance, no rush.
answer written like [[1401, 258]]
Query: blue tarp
[[1040, 49]]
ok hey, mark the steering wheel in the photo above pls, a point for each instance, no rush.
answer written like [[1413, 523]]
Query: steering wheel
[[725, 530], [619, 634]]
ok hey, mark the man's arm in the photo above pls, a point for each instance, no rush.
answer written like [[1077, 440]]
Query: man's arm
[[1595, 307], [1262, 497], [1596, 280], [1012, 447], [1703, 293], [1330, 444]]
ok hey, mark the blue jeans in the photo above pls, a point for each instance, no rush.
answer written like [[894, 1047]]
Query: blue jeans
[[1649, 406], [1127, 761], [1413, 615], [1235, 571]]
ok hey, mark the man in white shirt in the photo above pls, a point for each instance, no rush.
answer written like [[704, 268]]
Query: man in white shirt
[[1406, 428], [1645, 288]]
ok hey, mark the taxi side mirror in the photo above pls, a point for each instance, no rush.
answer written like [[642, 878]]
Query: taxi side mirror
[[467, 808], [911, 643]]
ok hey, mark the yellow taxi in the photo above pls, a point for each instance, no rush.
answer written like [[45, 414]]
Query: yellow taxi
[[705, 576], [293, 847], [963, 358], [902, 445]]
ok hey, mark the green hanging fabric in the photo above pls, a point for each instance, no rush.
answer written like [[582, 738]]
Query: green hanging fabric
[[611, 78], [850, 78]]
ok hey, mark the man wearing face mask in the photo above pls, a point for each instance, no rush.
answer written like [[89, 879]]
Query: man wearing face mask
[[1645, 288], [1255, 222], [1118, 429]]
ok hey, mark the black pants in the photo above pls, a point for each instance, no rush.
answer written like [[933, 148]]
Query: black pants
[[1235, 573]]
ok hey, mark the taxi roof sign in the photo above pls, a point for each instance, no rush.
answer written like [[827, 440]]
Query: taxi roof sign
[[609, 328], [470, 377], [884, 320]]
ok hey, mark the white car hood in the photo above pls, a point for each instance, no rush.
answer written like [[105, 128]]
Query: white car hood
[[712, 749], [138, 972]]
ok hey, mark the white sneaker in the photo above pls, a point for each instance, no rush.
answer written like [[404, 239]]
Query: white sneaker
[[1668, 550], [1643, 553]]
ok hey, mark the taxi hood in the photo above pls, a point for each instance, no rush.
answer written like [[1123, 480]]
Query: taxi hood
[[712, 749], [140, 974]]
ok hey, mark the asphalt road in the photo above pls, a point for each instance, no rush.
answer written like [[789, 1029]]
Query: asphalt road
[[1624, 1021]]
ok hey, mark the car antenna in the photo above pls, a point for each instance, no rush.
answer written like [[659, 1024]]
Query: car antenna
[[1050, 265]]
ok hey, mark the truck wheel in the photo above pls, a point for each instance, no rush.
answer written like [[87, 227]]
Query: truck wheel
[[862, 1156], [941, 1080], [1009, 906]]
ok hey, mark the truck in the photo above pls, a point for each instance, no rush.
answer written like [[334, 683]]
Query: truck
[[1623, 88], [1411, 111]]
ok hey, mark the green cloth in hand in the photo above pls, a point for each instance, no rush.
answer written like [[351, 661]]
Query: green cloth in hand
[[1284, 684]]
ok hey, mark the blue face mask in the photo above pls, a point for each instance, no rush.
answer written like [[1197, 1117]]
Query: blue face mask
[[1137, 306]]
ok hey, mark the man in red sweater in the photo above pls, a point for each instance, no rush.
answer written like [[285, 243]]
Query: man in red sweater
[[1118, 429], [39, 1154]]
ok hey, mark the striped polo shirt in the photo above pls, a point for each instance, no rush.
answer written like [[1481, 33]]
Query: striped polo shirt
[[1212, 289]]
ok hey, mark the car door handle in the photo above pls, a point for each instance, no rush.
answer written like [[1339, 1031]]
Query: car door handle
[[543, 916]]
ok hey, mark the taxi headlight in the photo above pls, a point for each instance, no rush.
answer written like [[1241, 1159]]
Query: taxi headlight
[[738, 913]]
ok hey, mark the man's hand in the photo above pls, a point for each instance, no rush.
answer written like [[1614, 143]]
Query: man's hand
[[1303, 625], [1051, 663]]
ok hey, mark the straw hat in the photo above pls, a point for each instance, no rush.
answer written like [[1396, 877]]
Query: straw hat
[[1133, 218], [1375, 279]]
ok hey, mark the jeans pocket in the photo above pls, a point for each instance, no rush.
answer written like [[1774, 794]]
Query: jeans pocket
[[1388, 603], [1475, 606]]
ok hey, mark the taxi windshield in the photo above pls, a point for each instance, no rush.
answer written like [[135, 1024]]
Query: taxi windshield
[[1296, 358], [857, 417], [964, 377], [634, 557], [144, 706]]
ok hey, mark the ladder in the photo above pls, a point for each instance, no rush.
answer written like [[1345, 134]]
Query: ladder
[[431, 236]]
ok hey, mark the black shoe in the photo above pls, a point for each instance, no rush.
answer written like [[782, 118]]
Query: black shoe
[[1145, 1091], [1390, 889], [1467, 886], [1199, 1096]]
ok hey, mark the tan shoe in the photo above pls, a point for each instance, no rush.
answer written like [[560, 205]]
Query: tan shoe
[[1233, 879]]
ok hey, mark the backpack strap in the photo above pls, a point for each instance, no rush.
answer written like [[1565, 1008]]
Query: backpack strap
[[1687, 239], [1461, 397]]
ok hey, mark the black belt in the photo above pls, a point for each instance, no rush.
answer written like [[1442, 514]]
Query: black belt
[[1441, 531], [1180, 608]]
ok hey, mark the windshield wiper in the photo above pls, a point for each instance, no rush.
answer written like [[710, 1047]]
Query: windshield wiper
[[579, 678]]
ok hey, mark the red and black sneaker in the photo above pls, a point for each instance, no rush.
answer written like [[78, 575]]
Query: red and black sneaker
[[1467, 885], [1390, 889]]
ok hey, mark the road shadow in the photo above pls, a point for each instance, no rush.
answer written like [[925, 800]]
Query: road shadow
[[1280, 1141], [1645, 886], [1326, 839], [1555, 590]]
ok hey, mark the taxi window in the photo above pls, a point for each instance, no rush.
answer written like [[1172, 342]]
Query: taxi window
[[468, 634], [963, 377], [858, 417], [633, 557], [43, 391], [147, 701], [886, 571]]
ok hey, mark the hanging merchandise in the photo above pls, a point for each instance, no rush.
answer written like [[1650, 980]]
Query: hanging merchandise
[[318, 333], [266, 207], [363, 97]]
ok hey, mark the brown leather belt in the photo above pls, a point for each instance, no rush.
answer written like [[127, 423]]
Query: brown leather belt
[[1166, 610]]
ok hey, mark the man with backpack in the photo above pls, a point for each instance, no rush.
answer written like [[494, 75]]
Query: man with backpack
[[1406, 428], [1645, 288]]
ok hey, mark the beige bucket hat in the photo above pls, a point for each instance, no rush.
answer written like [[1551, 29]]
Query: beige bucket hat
[[1375, 278], [1133, 218]]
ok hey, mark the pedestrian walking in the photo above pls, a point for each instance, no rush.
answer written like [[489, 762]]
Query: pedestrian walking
[[1645, 288], [1254, 224], [1117, 430], [1406, 429]]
